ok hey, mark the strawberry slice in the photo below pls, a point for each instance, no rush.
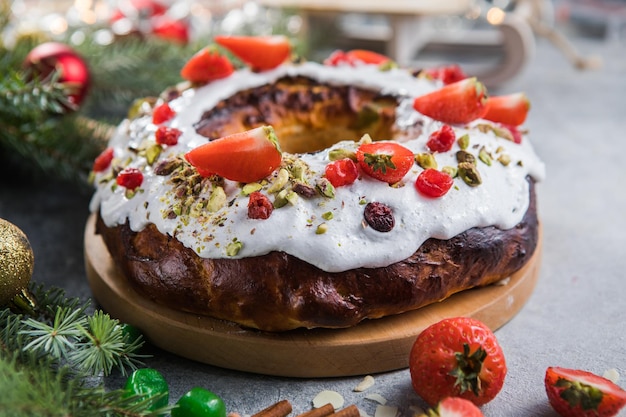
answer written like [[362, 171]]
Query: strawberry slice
[[103, 161], [261, 53], [455, 407], [206, 65], [356, 57], [245, 157], [576, 393], [509, 110], [385, 161], [456, 103]]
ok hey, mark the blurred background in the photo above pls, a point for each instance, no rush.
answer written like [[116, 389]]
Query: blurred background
[[491, 38], [130, 49]]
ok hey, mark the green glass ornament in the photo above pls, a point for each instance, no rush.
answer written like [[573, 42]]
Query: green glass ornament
[[199, 402], [148, 382]]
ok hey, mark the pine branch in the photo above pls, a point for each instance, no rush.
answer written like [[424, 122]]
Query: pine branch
[[23, 100], [37, 389], [130, 69], [105, 346], [47, 358], [63, 332]]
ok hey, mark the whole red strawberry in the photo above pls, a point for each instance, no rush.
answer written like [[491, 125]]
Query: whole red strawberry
[[576, 393], [457, 357]]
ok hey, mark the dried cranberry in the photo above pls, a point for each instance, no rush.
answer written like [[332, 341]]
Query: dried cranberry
[[259, 206], [162, 114], [441, 140], [103, 160], [342, 172], [130, 178], [167, 135], [379, 216], [433, 183]]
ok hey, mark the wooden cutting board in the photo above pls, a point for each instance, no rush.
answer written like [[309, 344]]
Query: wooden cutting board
[[370, 347]]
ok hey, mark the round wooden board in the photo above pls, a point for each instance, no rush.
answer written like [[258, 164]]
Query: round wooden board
[[370, 347]]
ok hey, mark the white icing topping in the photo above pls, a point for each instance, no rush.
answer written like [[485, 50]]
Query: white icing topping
[[501, 200]]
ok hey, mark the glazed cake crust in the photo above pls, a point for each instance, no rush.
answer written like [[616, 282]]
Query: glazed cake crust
[[182, 249], [279, 292]]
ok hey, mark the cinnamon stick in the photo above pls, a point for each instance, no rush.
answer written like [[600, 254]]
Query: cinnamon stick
[[350, 411], [323, 411], [280, 409]]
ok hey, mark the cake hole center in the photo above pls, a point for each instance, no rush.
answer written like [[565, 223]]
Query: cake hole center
[[306, 115]]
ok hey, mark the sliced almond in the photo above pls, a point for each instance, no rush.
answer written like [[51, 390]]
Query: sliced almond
[[366, 383], [376, 397], [386, 411], [328, 397], [612, 375]]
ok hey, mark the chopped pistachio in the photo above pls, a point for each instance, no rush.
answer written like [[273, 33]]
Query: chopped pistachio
[[464, 156], [167, 166], [328, 215], [233, 248], [140, 107], [504, 159], [325, 188], [338, 154], [321, 229], [281, 199], [463, 141], [298, 170], [304, 190], [279, 182], [451, 171], [217, 199], [484, 156], [251, 187], [152, 153], [500, 132], [388, 65], [426, 160], [292, 197], [469, 173], [195, 210]]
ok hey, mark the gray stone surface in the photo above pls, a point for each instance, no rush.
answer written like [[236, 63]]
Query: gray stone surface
[[575, 318]]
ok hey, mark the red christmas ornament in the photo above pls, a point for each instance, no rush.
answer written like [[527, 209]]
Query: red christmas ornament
[[73, 71]]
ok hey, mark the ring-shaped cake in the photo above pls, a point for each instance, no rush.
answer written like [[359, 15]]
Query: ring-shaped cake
[[329, 253]]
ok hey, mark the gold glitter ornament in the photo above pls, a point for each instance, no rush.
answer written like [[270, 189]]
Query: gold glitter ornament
[[16, 263]]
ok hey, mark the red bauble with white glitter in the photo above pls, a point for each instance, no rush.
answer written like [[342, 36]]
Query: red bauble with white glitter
[[72, 69]]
